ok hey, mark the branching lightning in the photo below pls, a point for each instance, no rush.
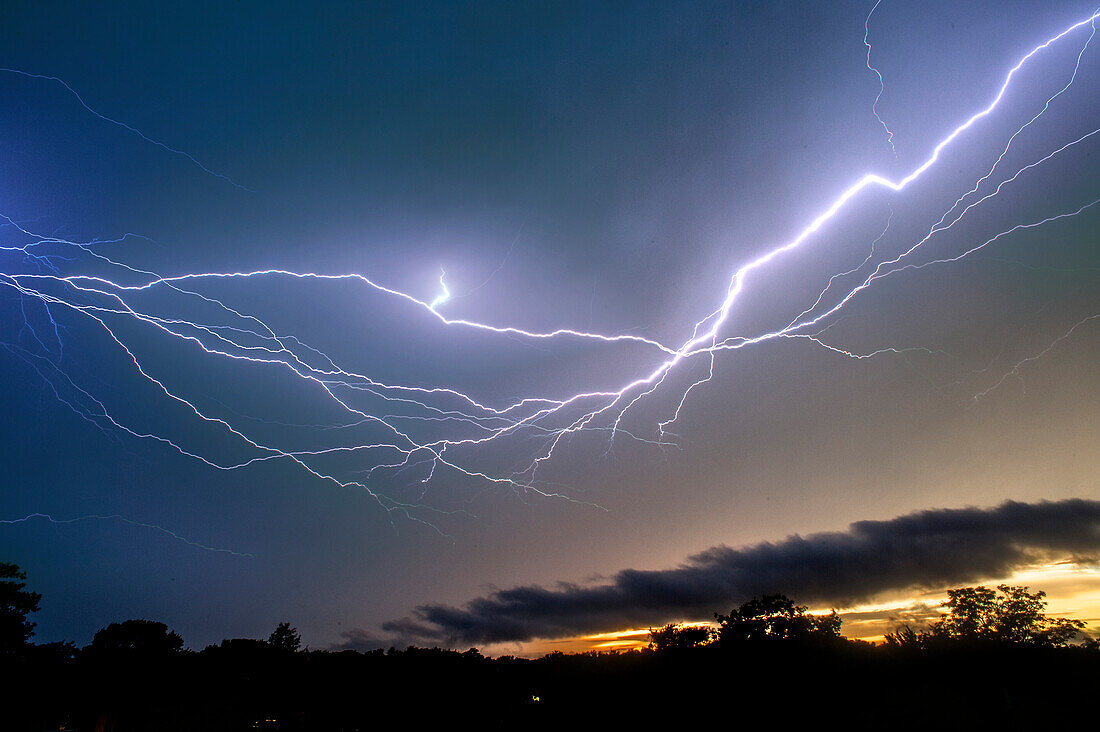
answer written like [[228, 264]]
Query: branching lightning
[[129, 128], [1014, 372], [878, 75], [435, 430], [123, 519]]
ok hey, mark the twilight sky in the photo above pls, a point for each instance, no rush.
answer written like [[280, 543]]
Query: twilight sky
[[601, 168]]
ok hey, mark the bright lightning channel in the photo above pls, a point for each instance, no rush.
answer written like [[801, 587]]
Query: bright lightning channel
[[111, 293]]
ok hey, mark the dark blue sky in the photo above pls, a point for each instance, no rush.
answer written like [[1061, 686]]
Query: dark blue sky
[[602, 167]]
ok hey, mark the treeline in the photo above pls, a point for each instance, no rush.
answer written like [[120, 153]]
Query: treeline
[[993, 658], [975, 617]]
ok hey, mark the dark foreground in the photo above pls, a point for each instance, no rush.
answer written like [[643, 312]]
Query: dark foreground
[[855, 686]]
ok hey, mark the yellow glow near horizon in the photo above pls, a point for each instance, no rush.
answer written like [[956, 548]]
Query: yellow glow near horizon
[[1073, 591]]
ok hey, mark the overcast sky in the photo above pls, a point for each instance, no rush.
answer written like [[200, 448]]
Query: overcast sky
[[599, 167]]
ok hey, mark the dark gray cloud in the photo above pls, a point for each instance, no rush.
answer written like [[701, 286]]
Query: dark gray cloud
[[926, 549]]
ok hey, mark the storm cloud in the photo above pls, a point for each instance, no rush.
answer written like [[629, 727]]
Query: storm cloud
[[927, 549]]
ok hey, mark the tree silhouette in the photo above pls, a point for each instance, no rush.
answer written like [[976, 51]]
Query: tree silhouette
[[676, 636], [285, 638], [978, 614], [140, 636], [775, 617], [16, 603]]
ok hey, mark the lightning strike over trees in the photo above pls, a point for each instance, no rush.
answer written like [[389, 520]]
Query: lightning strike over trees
[[356, 309]]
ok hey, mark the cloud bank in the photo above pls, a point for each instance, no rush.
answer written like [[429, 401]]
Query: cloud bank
[[927, 549]]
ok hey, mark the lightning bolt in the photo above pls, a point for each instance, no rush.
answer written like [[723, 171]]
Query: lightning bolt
[[878, 75], [131, 522], [443, 296], [430, 430], [1014, 372], [129, 128]]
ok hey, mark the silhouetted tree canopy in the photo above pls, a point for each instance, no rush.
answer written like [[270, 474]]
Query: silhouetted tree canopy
[[677, 636], [134, 677], [140, 636], [1010, 614], [16, 603], [775, 617], [285, 638]]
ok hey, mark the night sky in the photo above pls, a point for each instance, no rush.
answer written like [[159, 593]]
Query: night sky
[[602, 168]]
